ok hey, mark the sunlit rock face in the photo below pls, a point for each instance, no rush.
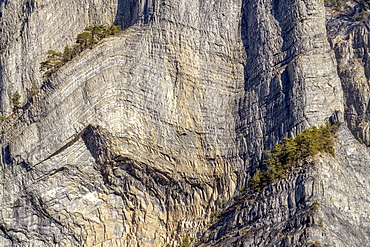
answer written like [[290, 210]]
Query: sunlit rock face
[[141, 138]]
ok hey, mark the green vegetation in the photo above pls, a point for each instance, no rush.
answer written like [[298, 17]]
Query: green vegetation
[[320, 223], [315, 207], [317, 243], [289, 151], [214, 220], [242, 189], [53, 63], [16, 101], [91, 36], [187, 240], [363, 14], [338, 4], [341, 5], [365, 4], [214, 217]]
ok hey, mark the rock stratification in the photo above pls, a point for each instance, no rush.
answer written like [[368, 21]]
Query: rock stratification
[[323, 202], [131, 140], [30, 28], [140, 139], [349, 40], [290, 74]]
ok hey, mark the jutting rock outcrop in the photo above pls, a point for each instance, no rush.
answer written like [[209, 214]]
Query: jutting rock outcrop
[[145, 137]]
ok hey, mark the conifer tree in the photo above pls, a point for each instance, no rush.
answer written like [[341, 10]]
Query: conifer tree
[[16, 101]]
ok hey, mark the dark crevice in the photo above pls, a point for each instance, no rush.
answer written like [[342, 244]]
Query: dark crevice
[[6, 155], [119, 172], [64, 147], [268, 116], [130, 12], [6, 233]]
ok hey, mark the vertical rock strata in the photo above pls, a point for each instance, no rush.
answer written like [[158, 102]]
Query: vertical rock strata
[[350, 41], [290, 74], [138, 140]]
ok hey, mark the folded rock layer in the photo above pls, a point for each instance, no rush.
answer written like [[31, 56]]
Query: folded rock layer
[[145, 137]]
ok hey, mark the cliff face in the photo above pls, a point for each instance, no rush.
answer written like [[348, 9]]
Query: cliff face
[[349, 40], [30, 28], [290, 79], [132, 142], [323, 202], [140, 139]]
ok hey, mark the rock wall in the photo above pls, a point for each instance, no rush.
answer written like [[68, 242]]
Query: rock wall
[[132, 142], [349, 40], [290, 74], [29, 28], [140, 139], [322, 202]]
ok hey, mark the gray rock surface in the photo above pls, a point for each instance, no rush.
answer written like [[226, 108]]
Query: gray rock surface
[[349, 40], [29, 28], [322, 202], [140, 139], [142, 123], [290, 74]]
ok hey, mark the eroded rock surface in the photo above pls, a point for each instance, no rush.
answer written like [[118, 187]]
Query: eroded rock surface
[[349, 40], [322, 202], [140, 139]]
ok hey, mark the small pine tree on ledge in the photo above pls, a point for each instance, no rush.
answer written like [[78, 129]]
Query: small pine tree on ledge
[[84, 40], [16, 101], [289, 151]]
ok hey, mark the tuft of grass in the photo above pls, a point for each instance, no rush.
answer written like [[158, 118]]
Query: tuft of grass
[[320, 223], [187, 240], [315, 206]]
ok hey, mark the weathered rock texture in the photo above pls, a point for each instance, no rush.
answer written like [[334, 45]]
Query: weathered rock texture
[[322, 202], [350, 41], [138, 140], [30, 28], [290, 74], [132, 142]]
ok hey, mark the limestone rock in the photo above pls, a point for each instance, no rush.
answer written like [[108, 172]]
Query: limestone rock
[[349, 40], [141, 138], [322, 202]]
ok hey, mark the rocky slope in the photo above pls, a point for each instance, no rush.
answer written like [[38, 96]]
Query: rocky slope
[[142, 138], [323, 202]]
